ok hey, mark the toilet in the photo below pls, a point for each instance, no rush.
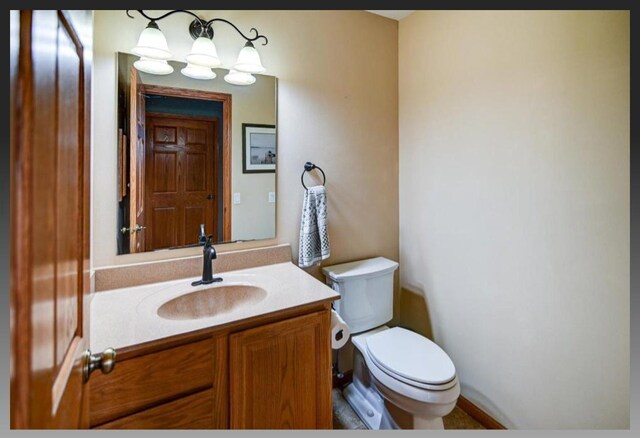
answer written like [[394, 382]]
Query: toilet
[[401, 380]]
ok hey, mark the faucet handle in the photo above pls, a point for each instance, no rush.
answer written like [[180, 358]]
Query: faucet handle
[[209, 247], [202, 237]]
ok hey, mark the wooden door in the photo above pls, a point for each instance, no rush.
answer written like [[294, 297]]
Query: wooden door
[[50, 153], [137, 132], [281, 375], [181, 180]]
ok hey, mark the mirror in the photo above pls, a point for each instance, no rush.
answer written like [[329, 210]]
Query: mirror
[[195, 158]]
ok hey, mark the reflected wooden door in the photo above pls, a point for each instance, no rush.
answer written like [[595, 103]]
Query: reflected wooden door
[[50, 114], [137, 210], [181, 179]]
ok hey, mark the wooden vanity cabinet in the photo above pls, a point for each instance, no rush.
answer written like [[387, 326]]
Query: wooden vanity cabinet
[[269, 374], [281, 375]]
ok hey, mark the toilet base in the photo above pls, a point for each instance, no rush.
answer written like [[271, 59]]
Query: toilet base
[[365, 400], [376, 416], [428, 423], [369, 414]]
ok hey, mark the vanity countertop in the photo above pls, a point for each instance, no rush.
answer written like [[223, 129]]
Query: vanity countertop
[[125, 317]]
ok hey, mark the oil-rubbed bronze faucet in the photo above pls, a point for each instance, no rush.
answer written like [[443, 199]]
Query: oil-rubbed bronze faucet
[[208, 253]]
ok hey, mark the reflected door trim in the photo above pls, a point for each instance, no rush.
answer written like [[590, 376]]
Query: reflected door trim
[[137, 148]]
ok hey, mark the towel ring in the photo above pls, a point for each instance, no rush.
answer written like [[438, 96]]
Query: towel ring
[[308, 167]]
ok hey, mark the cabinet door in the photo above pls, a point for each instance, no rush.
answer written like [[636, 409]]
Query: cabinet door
[[281, 375]]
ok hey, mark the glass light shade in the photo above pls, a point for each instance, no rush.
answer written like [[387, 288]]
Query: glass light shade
[[152, 44], [203, 53], [249, 60], [198, 72], [153, 66], [239, 78]]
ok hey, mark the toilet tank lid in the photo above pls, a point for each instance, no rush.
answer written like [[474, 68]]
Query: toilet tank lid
[[360, 269]]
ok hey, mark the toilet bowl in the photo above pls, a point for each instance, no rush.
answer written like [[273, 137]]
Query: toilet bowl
[[385, 396], [401, 380]]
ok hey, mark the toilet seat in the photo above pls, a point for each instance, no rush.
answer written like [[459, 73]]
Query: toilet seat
[[411, 358]]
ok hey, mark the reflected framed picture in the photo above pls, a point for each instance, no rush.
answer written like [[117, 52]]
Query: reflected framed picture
[[258, 148]]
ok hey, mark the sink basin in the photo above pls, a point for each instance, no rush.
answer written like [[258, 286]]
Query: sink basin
[[210, 302]]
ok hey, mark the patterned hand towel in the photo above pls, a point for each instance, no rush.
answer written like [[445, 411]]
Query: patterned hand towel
[[314, 238]]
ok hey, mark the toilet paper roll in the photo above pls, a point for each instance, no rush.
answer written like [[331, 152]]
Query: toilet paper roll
[[339, 331]]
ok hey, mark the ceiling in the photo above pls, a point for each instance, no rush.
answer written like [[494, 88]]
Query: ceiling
[[396, 15]]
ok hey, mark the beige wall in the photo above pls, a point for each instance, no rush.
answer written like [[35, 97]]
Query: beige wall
[[514, 206], [332, 110]]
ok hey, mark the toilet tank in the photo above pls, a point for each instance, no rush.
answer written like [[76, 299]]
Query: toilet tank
[[366, 291]]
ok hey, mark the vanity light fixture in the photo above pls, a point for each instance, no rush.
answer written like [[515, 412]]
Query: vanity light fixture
[[249, 60], [204, 53], [239, 78], [153, 66], [152, 46], [198, 72]]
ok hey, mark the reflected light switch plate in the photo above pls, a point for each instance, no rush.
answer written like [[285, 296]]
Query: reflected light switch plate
[[272, 197], [236, 198]]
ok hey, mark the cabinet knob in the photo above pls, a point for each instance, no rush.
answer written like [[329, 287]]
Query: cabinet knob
[[105, 362]]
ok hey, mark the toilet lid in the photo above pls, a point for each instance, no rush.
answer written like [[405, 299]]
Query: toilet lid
[[407, 354]]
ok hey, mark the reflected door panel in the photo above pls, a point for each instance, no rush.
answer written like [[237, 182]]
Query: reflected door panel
[[181, 179]]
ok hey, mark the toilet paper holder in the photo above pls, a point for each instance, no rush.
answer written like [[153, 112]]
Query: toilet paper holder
[[341, 335], [339, 331]]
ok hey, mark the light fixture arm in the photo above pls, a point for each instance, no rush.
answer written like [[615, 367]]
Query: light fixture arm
[[199, 27], [257, 36], [141, 12]]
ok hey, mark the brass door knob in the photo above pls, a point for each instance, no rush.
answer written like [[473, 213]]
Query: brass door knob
[[105, 362], [125, 230]]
